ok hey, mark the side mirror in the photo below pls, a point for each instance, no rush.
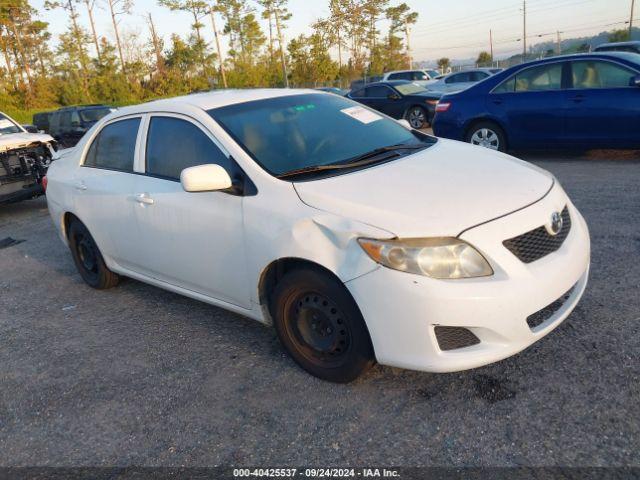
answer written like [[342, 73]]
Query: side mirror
[[205, 178], [393, 96], [31, 128], [405, 123]]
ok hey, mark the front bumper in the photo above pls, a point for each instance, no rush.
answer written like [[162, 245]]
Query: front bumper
[[401, 310]]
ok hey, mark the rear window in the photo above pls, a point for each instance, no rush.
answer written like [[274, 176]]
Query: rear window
[[114, 147]]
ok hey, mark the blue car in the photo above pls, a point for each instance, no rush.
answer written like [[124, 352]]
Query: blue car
[[574, 101]]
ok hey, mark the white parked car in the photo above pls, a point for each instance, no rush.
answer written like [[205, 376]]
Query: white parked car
[[358, 238], [411, 75], [454, 82]]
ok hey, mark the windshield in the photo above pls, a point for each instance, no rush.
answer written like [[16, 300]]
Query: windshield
[[7, 126], [94, 114], [409, 88], [293, 132]]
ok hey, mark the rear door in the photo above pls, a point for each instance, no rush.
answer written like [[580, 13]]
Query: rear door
[[104, 185], [603, 105], [531, 106], [191, 240]]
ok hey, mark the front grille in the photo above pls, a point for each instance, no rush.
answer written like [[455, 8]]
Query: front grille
[[450, 338], [537, 243], [547, 312]]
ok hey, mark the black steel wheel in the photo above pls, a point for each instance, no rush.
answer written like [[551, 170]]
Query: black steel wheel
[[88, 258], [320, 326]]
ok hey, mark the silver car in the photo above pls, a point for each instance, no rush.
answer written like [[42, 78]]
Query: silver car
[[457, 81]]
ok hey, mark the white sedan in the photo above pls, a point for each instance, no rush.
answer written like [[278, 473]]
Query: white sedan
[[356, 237]]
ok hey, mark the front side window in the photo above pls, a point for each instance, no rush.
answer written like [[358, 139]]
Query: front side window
[[292, 132], [92, 115], [174, 144], [114, 147], [544, 77], [598, 74]]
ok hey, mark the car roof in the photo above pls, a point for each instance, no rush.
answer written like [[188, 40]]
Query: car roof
[[405, 71], [627, 56], [633, 43], [218, 98]]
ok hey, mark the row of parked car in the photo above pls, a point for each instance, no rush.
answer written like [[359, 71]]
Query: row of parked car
[[577, 101]]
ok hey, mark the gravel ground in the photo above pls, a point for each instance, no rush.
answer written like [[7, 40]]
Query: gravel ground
[[140, 376]]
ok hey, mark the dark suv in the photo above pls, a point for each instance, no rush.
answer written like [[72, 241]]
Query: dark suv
[[67, 125]]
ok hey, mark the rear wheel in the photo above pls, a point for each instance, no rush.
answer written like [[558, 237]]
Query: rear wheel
[[417, 117], [88, 258], [320, 326], [488, 135]]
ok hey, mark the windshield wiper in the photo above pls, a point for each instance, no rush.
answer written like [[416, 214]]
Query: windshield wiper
[[365, 159]]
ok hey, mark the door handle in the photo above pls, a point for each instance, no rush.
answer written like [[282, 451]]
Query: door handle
[[497, 101], [80, 186], [578, 98], [143, 199]]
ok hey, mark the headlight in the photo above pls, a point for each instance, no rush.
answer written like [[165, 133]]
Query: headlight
[[445, 257]]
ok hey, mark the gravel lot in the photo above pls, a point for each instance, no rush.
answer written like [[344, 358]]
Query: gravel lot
[[140, 376]]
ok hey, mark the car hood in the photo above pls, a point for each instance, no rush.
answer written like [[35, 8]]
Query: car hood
[[439, 191], [23, 139]]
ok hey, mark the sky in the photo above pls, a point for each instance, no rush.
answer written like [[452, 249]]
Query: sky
[[457, 29]]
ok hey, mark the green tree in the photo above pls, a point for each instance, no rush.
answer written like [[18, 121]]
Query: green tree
[[444, 64], [484, 59], [621, 35], [402, 18]]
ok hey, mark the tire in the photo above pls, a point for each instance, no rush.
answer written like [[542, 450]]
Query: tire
[[320, 326], [417, 117], [88, 258], [488, 135]]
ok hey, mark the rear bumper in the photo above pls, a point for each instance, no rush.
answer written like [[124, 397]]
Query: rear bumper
[[405, 309]]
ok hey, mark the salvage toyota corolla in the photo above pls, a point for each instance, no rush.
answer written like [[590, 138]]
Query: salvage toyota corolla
[[358, 238]]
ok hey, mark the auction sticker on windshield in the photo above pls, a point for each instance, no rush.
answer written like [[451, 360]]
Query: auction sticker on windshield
[[361, 114]]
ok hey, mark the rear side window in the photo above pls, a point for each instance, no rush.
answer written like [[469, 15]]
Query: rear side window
[[114, 147], [174, 144], [597, 74], [358, 93]]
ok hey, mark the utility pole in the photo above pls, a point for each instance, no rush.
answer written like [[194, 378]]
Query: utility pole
[[491, 44], [220, 59], [407, 33], [633, 4], [524, 30], [559, 43]]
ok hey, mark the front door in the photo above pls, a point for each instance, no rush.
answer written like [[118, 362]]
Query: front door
[[191, 240], [603, 105], [530, 104]]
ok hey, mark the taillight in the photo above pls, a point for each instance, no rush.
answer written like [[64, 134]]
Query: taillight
[[44, 183], [443, 106]]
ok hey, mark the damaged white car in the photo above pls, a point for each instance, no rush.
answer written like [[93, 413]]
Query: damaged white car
[[24, 159], [358, 238]]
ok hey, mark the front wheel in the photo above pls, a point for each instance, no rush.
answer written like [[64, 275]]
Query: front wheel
[[320, 326], [488, 135], [417, 117]]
